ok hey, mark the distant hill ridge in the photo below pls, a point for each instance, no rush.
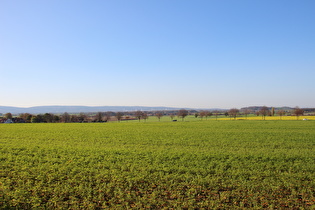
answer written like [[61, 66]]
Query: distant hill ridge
[[257, 108], [78, 109], [86, 109]]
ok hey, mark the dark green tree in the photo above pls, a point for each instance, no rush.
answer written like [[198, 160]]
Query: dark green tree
[[48, 118], [8, 115]]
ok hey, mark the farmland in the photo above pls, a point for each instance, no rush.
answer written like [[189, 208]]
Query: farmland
[[197, 164]]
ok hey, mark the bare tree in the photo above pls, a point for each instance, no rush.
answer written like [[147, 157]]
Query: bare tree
[[82, 117], [159, 115], [138, 115], [107, 116], [144, 116], [281, 113], [99, 117], [202, 114], [264, 111], [246, 112], [65, 117], [182, 113], [208, 114], [74, 118], [298, 112], [216, 113], [172, 116], [119, 116], [234, 112]]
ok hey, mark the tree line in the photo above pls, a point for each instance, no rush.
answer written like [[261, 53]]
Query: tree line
[[89, 117], [265, 111], [144, 115]]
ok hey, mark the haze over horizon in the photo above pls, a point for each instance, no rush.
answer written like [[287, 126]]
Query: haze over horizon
[[94, 109], [193, 54], [147, 106]]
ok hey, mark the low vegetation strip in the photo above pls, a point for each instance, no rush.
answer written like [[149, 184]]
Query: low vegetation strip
[[167, 115], [268, 118], [198, 164]]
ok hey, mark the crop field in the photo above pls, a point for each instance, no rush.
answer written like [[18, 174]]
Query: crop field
[[268, 118], [209, 164], [191, 118]]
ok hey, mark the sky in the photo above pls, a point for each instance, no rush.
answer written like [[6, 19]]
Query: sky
[[175, 53]]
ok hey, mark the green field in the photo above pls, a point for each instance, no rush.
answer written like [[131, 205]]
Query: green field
[[196, 164]]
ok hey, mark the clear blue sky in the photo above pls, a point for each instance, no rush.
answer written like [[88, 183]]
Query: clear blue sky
[[178, 53]]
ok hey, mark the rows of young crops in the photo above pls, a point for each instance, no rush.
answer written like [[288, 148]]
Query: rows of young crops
[[196, 164]]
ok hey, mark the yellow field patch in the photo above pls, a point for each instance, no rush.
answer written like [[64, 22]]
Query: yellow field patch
[[272, 118]]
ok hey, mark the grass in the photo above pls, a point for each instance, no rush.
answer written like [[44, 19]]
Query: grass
[[193, 164]]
